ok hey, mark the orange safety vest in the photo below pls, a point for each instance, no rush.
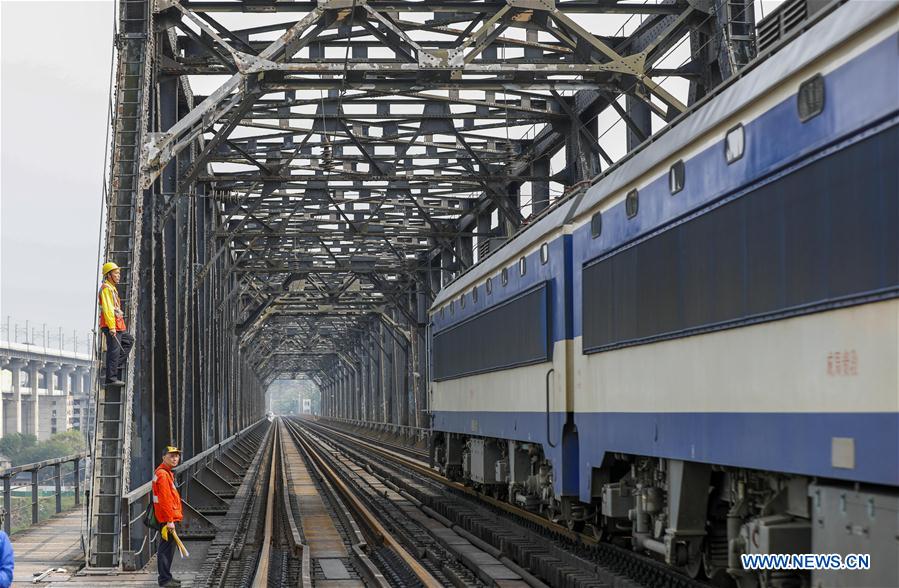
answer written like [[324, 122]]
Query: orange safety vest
[[111, 312], [166, 499]]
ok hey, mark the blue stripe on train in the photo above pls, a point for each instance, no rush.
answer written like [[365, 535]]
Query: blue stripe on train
[[772, 140], [799, 443], [522, 426], [557, 267]]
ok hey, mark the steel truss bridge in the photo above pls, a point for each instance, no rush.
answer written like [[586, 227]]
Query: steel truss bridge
[[290, 183]]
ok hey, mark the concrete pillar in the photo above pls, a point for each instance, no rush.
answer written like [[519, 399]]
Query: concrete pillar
[[52, 400], [14, 413], [34, 368], [6, 365], [65, 374], [80, 398]]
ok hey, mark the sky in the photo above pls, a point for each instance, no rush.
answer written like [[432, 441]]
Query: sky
[[54, 84], [54, 79]]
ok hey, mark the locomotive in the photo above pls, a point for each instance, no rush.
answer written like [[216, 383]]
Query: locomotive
[[697, 356]]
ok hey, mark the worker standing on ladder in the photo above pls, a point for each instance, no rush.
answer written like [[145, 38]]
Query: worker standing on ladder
[[112, 323], [167, 508]]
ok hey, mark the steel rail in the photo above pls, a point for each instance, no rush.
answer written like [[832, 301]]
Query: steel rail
[[651, 572], [364, 514], [423, 469], [260, 578]]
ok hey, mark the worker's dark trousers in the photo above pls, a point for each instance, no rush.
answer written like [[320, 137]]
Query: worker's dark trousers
[[164, 555], [118, 347]]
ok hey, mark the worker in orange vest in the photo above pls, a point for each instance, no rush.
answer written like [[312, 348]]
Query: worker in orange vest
[[167, 508], [112, 323]]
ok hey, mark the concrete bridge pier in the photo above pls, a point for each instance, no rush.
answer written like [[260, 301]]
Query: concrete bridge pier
[[12, 410], [32, 411]]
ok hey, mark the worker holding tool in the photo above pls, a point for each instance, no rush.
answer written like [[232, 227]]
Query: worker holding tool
[[112, 323], [167, 508]]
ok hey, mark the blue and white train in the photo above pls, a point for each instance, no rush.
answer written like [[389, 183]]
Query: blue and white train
[[699, 355]]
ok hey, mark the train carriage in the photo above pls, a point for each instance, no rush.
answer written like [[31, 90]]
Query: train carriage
[[730, 348], [500, 389]]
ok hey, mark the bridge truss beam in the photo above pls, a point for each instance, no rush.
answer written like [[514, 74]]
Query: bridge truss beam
[[309, 174]]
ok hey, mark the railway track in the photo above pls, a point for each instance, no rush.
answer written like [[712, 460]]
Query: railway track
[[297, 522], [320, 507], [554, 553]]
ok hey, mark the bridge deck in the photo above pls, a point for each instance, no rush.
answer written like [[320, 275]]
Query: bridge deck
[[57, 543]]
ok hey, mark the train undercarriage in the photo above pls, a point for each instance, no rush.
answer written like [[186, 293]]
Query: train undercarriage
[[699, 518]]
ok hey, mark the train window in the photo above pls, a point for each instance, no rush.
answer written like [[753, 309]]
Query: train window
[[505, 276], [734, 143], [676, 177], [462, 300], [632, 203], [522, 266], [810, 98], [544, 253], [474, 294], [596, 225], [489, 286]]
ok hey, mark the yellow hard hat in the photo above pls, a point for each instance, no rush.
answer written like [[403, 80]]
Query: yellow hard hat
[[108, 267], [171, 449]]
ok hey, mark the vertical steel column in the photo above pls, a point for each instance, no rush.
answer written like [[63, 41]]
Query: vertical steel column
[[539, 188], [639, 113], [386, 376], [364, 368]]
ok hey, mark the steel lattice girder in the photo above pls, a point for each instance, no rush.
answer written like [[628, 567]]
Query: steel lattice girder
[[355, 143]]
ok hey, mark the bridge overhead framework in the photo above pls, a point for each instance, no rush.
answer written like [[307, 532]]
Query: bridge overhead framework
[[290, 184]]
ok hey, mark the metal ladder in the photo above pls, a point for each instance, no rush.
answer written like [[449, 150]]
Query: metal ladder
[[740, 33], [109, 478]]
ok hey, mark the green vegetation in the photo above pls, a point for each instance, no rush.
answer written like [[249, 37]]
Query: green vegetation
[[22, 449]]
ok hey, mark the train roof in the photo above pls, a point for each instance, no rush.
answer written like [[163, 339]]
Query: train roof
[[784, 59], [748, 86], [546, 224]]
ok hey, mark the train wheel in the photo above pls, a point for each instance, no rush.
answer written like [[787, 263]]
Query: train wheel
[[693, 569]]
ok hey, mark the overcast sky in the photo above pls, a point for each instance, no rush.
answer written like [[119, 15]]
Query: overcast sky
[[54, 76]]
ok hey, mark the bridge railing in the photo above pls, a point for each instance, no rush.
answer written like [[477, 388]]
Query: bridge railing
[[140, 542], [51, 481]]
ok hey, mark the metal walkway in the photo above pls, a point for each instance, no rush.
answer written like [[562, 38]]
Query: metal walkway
[[55, 542]]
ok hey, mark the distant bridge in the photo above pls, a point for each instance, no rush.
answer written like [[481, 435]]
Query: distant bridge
[[45, 390]]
